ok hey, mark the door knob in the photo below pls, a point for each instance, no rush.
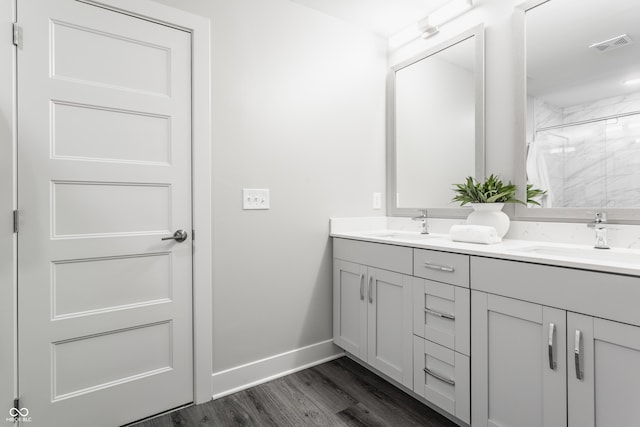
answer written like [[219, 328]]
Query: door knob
[[178, 236]]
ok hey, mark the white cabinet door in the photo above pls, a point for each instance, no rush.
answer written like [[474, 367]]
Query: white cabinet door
[[390, 324], [518, 363], [604, 372], [349, 307]]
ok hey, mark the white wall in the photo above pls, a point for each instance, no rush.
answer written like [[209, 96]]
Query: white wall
[[501, 135], [299, 108]]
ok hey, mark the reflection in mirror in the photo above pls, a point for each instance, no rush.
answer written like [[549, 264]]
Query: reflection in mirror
[[583, 106], [436, 126]]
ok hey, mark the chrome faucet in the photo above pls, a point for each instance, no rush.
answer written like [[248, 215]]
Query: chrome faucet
[[423, 221], [599, 225]]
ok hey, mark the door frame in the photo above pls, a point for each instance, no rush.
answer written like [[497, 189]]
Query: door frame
[[199, 27]]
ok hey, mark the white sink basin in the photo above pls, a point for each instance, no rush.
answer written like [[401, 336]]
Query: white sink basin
[[406, 235], [589, 254]]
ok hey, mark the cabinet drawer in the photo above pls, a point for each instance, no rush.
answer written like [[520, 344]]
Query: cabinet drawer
[[386, 257], [441, 313], [441, 266], [442, 376]]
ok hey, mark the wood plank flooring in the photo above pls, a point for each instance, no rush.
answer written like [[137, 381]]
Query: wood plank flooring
[[336, 393]]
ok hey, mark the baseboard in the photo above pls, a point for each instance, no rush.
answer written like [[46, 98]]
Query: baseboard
[[251, 374]]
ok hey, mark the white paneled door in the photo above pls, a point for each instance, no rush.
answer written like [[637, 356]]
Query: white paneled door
[[104, 173]]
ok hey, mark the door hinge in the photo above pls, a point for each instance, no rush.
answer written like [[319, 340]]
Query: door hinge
[[15, 221], [17, 34], [193, 234], [16, 403]]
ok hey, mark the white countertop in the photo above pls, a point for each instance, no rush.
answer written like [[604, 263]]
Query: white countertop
[[615, 260]]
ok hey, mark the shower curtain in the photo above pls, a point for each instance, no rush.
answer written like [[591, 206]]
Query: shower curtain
[[537, 172]]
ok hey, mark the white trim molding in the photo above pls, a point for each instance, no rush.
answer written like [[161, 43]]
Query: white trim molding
[[254, 373]]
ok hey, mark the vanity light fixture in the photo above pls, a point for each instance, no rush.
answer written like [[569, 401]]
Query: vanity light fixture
[[632, 82], [431, 24], [427, 29]]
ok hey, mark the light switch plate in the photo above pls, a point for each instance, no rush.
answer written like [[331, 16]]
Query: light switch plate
[[255, 198]]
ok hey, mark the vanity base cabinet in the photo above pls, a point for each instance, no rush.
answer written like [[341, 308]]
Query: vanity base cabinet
[[372, 317], [407, 321], [539, 366], [442, 376], [606, 391], [519, 363]]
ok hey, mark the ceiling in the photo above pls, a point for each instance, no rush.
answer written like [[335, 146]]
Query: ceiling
[[562, 69], [383, 17]]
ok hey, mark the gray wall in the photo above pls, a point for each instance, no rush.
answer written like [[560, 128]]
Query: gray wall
[[299, 108]]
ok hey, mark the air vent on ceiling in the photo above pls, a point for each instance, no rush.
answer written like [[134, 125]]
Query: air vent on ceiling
[[613, 43]]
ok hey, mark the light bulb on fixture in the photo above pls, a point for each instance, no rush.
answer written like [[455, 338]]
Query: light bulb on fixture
[[632, 82], [429, 31], [426, 29]]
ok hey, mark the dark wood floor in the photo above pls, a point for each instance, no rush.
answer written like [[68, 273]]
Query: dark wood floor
[[337, 393]]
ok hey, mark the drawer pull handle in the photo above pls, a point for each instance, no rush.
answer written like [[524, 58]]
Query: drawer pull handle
[[370, 289], [362, 286], [552, 340], [439, 377], [439, 314], [446, 268], [577, 355]]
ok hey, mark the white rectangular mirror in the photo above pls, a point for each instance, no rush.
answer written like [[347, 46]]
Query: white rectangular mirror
[[581, 107], [436, 126]]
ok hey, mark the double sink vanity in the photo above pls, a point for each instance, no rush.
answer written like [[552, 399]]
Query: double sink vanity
[[520, 333], [514, 334]]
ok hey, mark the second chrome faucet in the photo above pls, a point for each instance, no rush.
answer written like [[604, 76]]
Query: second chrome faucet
[[599, 225]]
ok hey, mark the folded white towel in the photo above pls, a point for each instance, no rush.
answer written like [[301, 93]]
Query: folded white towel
[[474, 234]]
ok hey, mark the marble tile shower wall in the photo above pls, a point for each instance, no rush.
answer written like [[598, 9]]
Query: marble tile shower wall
[[594, 164]]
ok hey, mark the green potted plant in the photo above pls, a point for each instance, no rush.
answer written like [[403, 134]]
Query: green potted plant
[[487, 198], [491, 190]]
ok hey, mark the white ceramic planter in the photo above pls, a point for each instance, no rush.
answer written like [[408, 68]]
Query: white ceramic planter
[[490, 214]]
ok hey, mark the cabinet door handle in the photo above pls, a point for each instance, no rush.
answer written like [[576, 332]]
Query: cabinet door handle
[[438, 267], [552, 341], [439, 377], [362, 286], [370, 289], [578, 355], [439, 314]]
